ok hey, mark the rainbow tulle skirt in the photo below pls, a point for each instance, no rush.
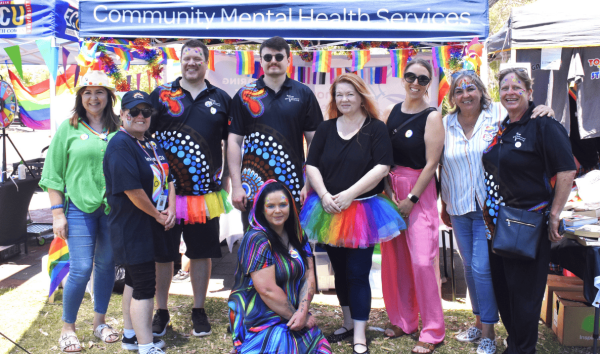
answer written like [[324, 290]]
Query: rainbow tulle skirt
[[365, 223], [196, 209]]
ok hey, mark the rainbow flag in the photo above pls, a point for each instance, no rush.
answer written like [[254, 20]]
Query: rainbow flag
[[211, 60], [380, 76], [333, 73], [58, 263], [443, 86], [290, 69], [171, 53], [441, 56], [87, 53], [34, 102], [125, 56], [399, 58], [360, 58], [321, 61], [66, 81], [258, 70], [245, 62]]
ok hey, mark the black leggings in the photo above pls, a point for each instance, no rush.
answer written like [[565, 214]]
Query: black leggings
[[142, 278], [352, 267]]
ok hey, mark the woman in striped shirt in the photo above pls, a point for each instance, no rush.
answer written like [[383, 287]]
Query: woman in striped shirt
[[469, 129]]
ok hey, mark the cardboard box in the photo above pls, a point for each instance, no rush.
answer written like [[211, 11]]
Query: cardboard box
[[551, 287], [561, 278], [572, 319]]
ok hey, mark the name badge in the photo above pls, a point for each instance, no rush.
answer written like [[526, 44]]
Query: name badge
[[409, 133], [213, 110], [84, 137], [488, 137], [162, 202]]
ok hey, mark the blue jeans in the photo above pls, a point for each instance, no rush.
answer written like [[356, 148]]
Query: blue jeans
[[89, 247], [469, 230]]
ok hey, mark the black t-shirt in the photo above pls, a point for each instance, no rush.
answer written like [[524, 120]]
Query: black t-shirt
[[530, 153], [342, 163], [409, 142], [273, 125], [587, 151], [127, 167], [190, 131]]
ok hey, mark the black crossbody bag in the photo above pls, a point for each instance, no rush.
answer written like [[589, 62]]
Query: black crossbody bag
[[518, 232], [426, 111]]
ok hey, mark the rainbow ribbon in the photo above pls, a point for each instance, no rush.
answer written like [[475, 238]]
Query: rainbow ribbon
[[125, 56], [58, 263], [443, 86], [399, 59], [245, 62], [360, 58], [321, 61], [103, 135], [441, 56]]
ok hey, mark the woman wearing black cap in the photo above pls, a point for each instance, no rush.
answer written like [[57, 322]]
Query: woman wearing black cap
[[142, 197]]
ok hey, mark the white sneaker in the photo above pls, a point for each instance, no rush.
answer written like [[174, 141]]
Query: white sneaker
[[156, 350], [470, 335], [486, 346]]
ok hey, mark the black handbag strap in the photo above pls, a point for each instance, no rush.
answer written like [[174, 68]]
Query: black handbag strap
[[426, 111]]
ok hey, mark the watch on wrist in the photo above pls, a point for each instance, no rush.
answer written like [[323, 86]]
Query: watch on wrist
[[413, 198]]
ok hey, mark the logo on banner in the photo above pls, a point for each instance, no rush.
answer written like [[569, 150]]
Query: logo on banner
[[595, 62], [72, 21], [15, 19]]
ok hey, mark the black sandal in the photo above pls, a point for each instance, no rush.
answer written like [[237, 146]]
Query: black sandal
[[334, 338], [364, 345]]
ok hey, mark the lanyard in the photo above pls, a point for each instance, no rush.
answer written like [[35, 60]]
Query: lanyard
[[163, 174], [103, 135]]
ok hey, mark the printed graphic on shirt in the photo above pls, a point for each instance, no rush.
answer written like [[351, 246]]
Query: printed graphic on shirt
[[190, 160], [268, 155], [594, 62], [172, 99], [252, 99]]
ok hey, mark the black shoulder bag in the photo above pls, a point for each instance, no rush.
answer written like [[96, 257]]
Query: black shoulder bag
[[518, 232]]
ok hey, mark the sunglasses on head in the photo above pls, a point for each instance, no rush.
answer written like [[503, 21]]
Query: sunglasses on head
[[456, 74], [269, 57], [423, 80], [146, 112]]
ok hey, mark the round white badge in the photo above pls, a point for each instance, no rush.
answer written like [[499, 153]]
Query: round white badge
[[84, 136], [518, 144], [102, 136], [408, 134], [294, 254], [213, 110], [208, 103]]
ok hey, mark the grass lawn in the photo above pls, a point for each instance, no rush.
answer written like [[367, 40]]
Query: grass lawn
[[41, 335]]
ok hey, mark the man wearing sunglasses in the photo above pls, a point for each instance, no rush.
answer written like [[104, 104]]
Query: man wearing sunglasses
[[191, 126], [270, 116]]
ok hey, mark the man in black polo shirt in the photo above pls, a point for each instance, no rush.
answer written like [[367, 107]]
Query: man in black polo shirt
[[270, 116], [191, 125]]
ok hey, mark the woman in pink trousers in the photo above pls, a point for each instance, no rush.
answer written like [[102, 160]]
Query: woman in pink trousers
[[409, 275]]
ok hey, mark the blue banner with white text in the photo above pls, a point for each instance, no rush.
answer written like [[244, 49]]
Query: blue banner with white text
[[393, 20], [39, 19]]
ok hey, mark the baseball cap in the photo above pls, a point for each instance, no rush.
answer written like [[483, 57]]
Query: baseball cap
[[133, 98]]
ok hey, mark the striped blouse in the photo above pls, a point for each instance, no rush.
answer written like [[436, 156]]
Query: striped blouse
[[462, 169]]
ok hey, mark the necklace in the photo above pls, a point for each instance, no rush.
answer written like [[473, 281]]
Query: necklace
[[102, 136]]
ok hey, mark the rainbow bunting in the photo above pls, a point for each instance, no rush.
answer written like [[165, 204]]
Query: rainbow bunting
[[58, 263], [335, 72], [34, 102], [66, 81], [171, 53], [380, 75], [360, 58], [125, 56], [399, 58], [87, 53], [321, 61], [290, 69], [211, 60], [443, 86], [245, 62], [441, 56], [319, 78], [258, 70]]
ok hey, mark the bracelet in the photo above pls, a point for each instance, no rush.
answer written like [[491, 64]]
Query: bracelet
[[57, 206], [325, 195]]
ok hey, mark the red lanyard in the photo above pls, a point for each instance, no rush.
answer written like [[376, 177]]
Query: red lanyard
[[163, 174]]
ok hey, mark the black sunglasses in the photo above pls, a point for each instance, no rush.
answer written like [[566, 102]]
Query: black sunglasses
[[456, 74], [423, 80], [269, 57], [146, 112]]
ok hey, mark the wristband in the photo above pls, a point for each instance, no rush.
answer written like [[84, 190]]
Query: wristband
[[57, 206], [413, 198]]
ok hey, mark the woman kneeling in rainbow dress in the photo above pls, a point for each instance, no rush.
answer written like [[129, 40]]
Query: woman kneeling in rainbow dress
[[274, 281], [349, 156]]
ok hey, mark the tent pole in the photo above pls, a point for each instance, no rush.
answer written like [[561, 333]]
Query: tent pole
[[53, 122], [3, 154]]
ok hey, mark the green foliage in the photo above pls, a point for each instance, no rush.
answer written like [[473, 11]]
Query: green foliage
[[33, 74]]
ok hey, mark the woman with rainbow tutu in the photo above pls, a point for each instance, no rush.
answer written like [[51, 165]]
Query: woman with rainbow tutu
[[349, 156]]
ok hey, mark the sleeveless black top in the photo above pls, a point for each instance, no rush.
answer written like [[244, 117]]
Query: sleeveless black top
[[408, 144]]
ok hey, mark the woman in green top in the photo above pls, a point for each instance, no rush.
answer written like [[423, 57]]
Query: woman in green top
[[74, 179]]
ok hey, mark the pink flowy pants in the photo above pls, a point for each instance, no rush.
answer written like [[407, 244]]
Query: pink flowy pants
[[409, 267]]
